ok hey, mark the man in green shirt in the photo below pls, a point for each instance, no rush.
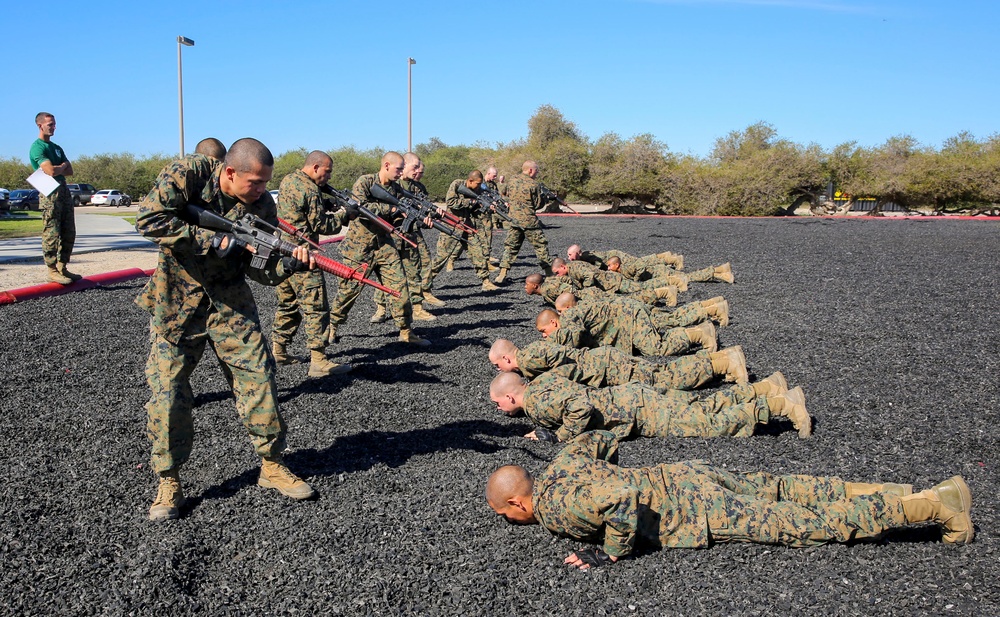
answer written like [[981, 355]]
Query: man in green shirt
[[58, 219]]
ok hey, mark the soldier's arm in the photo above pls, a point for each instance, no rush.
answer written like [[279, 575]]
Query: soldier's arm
[[599, 445], [159, 212], [613, 508], [577, 414]]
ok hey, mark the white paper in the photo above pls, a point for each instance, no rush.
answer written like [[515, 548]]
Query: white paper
[[42, 181]]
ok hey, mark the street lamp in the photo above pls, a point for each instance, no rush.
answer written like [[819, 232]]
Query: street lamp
[[181, 40], [409, 105]]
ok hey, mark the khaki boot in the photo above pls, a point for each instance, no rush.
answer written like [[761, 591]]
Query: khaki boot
[[792, 405], [679, 281], [169, 498], [275, 475], [856, 489], [731, 364], [331, 335], [379, 315], [321, 366], [949, 505], [501, 277], [58, 277], [421, 314], [711, 301], [719, 313], [668, 294], [704, 334], [406, 335], [672, 259], [450, 266], [280, 353], [772, 385], [489, 286], [724, 273], [430, 299], [63, 271], [492, 268]]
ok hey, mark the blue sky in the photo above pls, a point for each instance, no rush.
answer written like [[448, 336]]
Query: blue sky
[[329, 74]]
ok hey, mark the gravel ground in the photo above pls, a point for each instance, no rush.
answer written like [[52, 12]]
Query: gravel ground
[[885, 324]]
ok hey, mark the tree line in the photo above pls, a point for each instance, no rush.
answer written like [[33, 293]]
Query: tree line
[[750, 172]]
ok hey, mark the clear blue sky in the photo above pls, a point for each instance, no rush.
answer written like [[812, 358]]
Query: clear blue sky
[[329, 74]]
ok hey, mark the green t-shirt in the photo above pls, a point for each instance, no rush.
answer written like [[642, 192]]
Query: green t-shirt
[[43, 150]]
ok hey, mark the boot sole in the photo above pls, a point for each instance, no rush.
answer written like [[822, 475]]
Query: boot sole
[[265, 483]]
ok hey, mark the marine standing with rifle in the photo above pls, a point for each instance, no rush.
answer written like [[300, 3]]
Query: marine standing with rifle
[[199, 295], [366, 243], [524, 197], [463, 207], [302, 296]]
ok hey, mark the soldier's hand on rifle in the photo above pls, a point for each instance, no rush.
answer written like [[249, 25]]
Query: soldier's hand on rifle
[[352, 212], [429, 222], [299, 261], [225, 244], [441, 210]]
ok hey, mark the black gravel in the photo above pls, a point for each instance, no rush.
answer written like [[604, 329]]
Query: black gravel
[[888, 325]]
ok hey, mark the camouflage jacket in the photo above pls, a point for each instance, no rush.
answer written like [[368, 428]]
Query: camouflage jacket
[[597, 322], [524, 198], [301, 204], [597, 368], [584, 275], [554, 402], [460, 206], [552, 286], [585, 495], [188, 272], [363, 233]]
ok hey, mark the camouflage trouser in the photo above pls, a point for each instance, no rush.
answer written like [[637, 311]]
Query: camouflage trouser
[[249, 368], [384, 263], [792, 510], [484, 226], [302, 297], [684, 373], [681, 414], [512, 246], [687, 315], [648, 341], [450, 248], [58, 226], [701, 276], [417, 267]]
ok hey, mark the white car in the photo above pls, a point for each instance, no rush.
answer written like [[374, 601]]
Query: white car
[[110, 198]]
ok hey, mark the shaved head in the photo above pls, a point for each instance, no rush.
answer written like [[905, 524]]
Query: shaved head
[[507, 482], [565, 300], [573, 252], [614, 263], [317, 157], [247, 154], [534, 279], [558, 262], [501, 347], [211, 147], [506, 384], [393, 158], [411, 158], [528, 167], [546, 318]]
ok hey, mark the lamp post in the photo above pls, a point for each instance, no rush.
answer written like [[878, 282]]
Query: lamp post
[[409, 104], [181, 40]]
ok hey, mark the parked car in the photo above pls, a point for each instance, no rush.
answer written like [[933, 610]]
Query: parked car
[[4, 201], [274, 195], [81, 193], [24, 199], [110, 197]]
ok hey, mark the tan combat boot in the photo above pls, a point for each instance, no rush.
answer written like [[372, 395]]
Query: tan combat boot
[[948, 504], [379, 315], [731, 364], [668, 294], [280, 353], [450, 266], [856, 489], [56, 276], [275, 475], [169, 497], [719, 313], [63, 271], [724, 273], [421, 314], [331, 335], [488, 285], [321, 366], [501, 277], [407, 335], [672, 259], [680, 281], [704, 334], [772, 385], [792, 405], [430, 299]]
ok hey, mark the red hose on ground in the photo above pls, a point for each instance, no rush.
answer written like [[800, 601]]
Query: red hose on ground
[[47, 290]]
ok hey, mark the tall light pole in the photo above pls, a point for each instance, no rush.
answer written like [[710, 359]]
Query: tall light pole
[[409, 104], [181, 40]]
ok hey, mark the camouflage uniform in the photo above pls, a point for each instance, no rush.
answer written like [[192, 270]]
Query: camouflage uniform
[[449, 248], [524, 198], [416, 261], [196, 297], [486, 221], [689, 314], [626, 325], [608, 366], [585, 275], [553, 286], [302, 297], [633, 409], [58, 216], [366, 243], [585, 495]]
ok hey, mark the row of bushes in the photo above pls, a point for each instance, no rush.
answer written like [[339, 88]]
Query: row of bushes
[[749, 172]]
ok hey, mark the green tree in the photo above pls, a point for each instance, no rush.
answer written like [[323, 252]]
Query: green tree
[[349, 164], [629, 173], [14, 174]]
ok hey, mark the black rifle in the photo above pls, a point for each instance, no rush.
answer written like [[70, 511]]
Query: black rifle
[[345, 198], [490, 200], [253, 231], [447, 217], [413, 210], [550, 195]]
